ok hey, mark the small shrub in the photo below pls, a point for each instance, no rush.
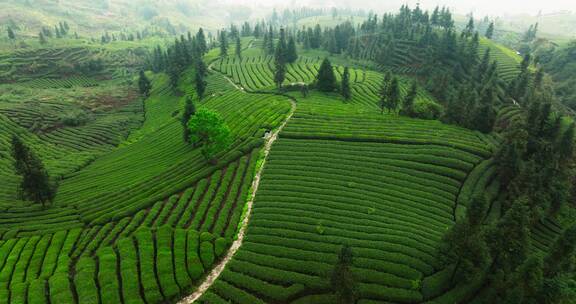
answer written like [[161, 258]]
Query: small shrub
[[426, 109], [74, 118]]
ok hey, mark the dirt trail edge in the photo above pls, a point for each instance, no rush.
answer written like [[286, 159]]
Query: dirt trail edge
[[216, 271]]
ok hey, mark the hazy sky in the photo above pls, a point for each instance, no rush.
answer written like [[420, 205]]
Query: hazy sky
[[479, 7]]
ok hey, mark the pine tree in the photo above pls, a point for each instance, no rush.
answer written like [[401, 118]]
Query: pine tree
[[201, 41], [62, 29], [35, 184], [201, 67], [525, 62], [21, 154], [200, 83], [490, 31], [223, 44], [539, 78], [238, 48], [11, 34], [560, 258], [41, 38], [157, 60], [408, 104], [291, 52], [393, 95], [342, 281], [326, 80], [317, 37], [331, 44], [484, 115], [526, 284], [307, 43], [346, 92], [465, 245], [484, 66], [435, 16], [144, 84], [189, 111], [173, 74], [566, 144], [280, 67], [384, 91], [282, 46], [270, 43], [265, 43], [509, 241]]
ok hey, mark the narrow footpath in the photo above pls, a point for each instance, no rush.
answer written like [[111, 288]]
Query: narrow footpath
[[217, 270]]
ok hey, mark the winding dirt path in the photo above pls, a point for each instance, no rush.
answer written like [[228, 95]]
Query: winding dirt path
[[216, 271]]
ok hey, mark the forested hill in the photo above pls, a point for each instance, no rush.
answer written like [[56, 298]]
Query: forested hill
[[94, 17]]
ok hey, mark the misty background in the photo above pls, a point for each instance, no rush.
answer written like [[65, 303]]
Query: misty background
[[478, 7], [556, 18]]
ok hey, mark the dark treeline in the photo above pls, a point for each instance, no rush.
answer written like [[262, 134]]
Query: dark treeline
[[61, 30], [185, 51]]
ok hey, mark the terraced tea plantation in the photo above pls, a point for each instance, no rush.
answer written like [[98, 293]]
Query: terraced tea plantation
[[384, 185], [141, 217]]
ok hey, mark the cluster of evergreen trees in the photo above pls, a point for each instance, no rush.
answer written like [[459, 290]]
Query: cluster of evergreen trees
[[284, 53], [531, 33], [123, 36], [389, 94], [176, 58], [60, 30], [534, 171], [35, 184], [471, 88], [447, 61], [533, 175], [558, 62]]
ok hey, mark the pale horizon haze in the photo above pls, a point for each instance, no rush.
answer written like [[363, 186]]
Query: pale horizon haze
[[477, 7]]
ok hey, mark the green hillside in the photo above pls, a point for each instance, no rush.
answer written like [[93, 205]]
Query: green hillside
[[387, 162], [95, 17], [194, 206]]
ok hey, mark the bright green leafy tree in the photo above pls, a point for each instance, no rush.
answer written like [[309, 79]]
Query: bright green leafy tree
[[208, 130]]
